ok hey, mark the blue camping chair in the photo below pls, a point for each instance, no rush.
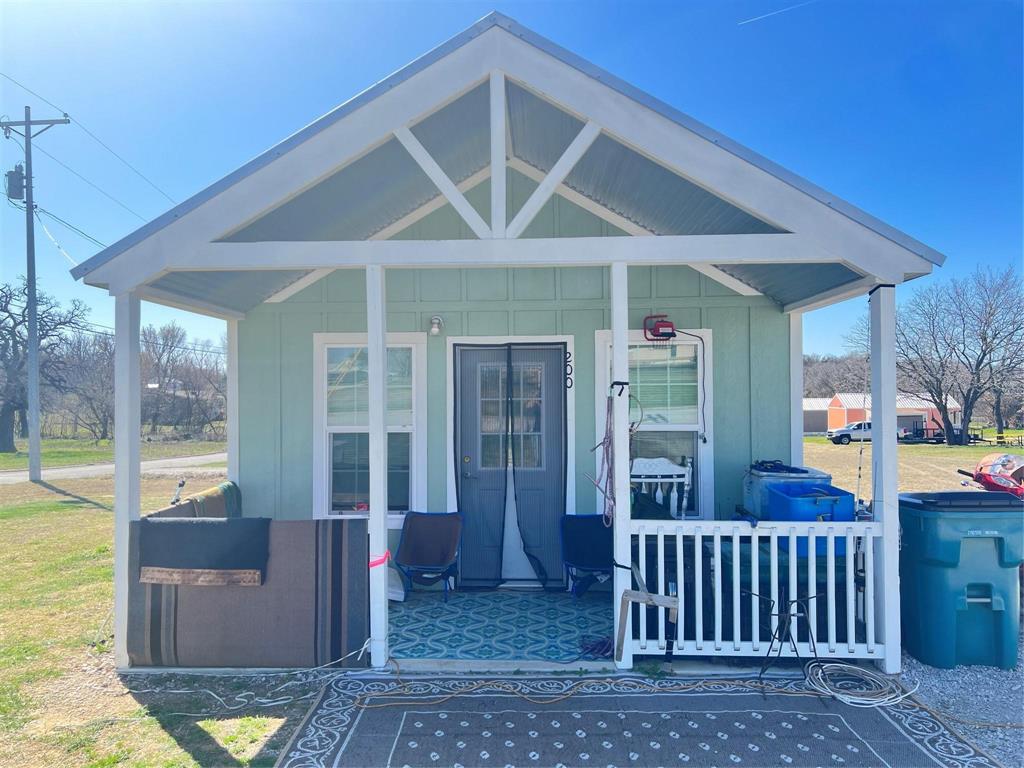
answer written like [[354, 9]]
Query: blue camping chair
[[586, 550], [428, 550]]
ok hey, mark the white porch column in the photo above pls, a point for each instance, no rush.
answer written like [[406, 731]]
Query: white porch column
[[796, 389], [620, 449], [883, 471], [127, 430], [231, 404], [376, 358]]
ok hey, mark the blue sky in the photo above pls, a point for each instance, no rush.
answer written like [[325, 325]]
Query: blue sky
[[910, 110]]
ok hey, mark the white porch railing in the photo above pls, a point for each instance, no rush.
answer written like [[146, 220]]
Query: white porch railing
[[736, 582]]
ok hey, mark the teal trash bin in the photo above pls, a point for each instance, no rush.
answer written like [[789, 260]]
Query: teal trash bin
[[960, 552]]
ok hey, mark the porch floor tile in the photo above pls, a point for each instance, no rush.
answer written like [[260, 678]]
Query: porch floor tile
[[501, 624]]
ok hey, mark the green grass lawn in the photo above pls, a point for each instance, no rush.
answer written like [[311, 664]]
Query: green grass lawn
[[973, 452], [989, 433], [63, 453], [60, 701]]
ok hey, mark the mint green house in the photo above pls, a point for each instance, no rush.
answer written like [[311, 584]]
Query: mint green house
[[429, 294]]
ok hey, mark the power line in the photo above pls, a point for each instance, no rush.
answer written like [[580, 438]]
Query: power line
[[92, 184], [59, 220], [95, 138], [70, 226], [98, 329], [53, 240]]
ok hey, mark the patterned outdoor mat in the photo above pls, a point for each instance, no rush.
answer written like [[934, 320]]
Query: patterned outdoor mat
[[561, 721], [499, 624]]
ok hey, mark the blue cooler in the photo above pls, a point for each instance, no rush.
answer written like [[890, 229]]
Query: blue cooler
[[811, 503]]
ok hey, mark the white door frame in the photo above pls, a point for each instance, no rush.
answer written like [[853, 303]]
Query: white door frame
[[705, 488], [570, 410]]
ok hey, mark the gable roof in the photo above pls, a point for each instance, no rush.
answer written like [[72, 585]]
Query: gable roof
[[903, 400], [490, 21], [816, 403]]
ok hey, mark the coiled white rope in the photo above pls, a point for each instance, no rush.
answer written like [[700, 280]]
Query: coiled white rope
[[853, 685]]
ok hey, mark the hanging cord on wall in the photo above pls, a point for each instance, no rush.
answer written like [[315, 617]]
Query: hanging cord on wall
[[605, 480], [703, 380]]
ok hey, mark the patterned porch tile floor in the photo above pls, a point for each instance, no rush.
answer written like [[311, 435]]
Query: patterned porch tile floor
[[500, 624]]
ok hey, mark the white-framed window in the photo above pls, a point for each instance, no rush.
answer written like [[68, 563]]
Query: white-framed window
[[671, 384], [527, 404], [341, 424]]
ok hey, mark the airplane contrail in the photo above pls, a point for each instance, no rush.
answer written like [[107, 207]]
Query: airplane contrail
[[775, 13]]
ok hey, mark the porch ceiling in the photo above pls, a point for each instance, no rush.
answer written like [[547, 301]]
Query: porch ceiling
[[791, 283], [386, 185], [234, 291], [241, 290]]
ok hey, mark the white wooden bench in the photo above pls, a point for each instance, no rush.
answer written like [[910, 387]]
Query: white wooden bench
[[658, 477]]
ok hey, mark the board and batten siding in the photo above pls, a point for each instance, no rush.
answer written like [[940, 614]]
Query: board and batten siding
[[750, 338]]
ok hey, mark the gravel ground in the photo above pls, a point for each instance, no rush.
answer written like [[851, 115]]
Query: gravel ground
[[985, 694]]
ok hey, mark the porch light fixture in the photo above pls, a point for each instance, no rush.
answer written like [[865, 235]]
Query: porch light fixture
[[436, 324]]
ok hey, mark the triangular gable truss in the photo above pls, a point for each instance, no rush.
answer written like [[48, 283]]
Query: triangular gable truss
[[403, 127]]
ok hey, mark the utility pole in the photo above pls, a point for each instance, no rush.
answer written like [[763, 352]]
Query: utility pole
[[35, 464]]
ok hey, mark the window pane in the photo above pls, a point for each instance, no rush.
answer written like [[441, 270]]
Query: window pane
[[348, 387], [531, 416], [530, 453], [677, 447], [350, 471], [492, 416], [664, 380], [491, 379], [400, 387], [398, 470], [349, 458], [532, 378], [492, 451]]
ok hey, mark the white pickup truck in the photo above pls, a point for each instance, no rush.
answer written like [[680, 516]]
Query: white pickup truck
[[859, 431]]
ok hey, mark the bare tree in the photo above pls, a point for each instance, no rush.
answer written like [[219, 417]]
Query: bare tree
[[90, 360], [202, 379], [163, 350], [54, 324], [962, 340], [825, 375]]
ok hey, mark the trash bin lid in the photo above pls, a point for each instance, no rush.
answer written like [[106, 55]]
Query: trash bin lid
[[962, 501]]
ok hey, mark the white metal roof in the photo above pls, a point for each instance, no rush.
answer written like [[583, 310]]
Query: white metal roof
[[816, 403], [903, 400]]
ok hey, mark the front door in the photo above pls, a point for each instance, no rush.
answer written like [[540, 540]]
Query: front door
[[510, 453]]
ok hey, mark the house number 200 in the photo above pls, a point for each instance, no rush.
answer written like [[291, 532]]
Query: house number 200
[[568, 370]]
